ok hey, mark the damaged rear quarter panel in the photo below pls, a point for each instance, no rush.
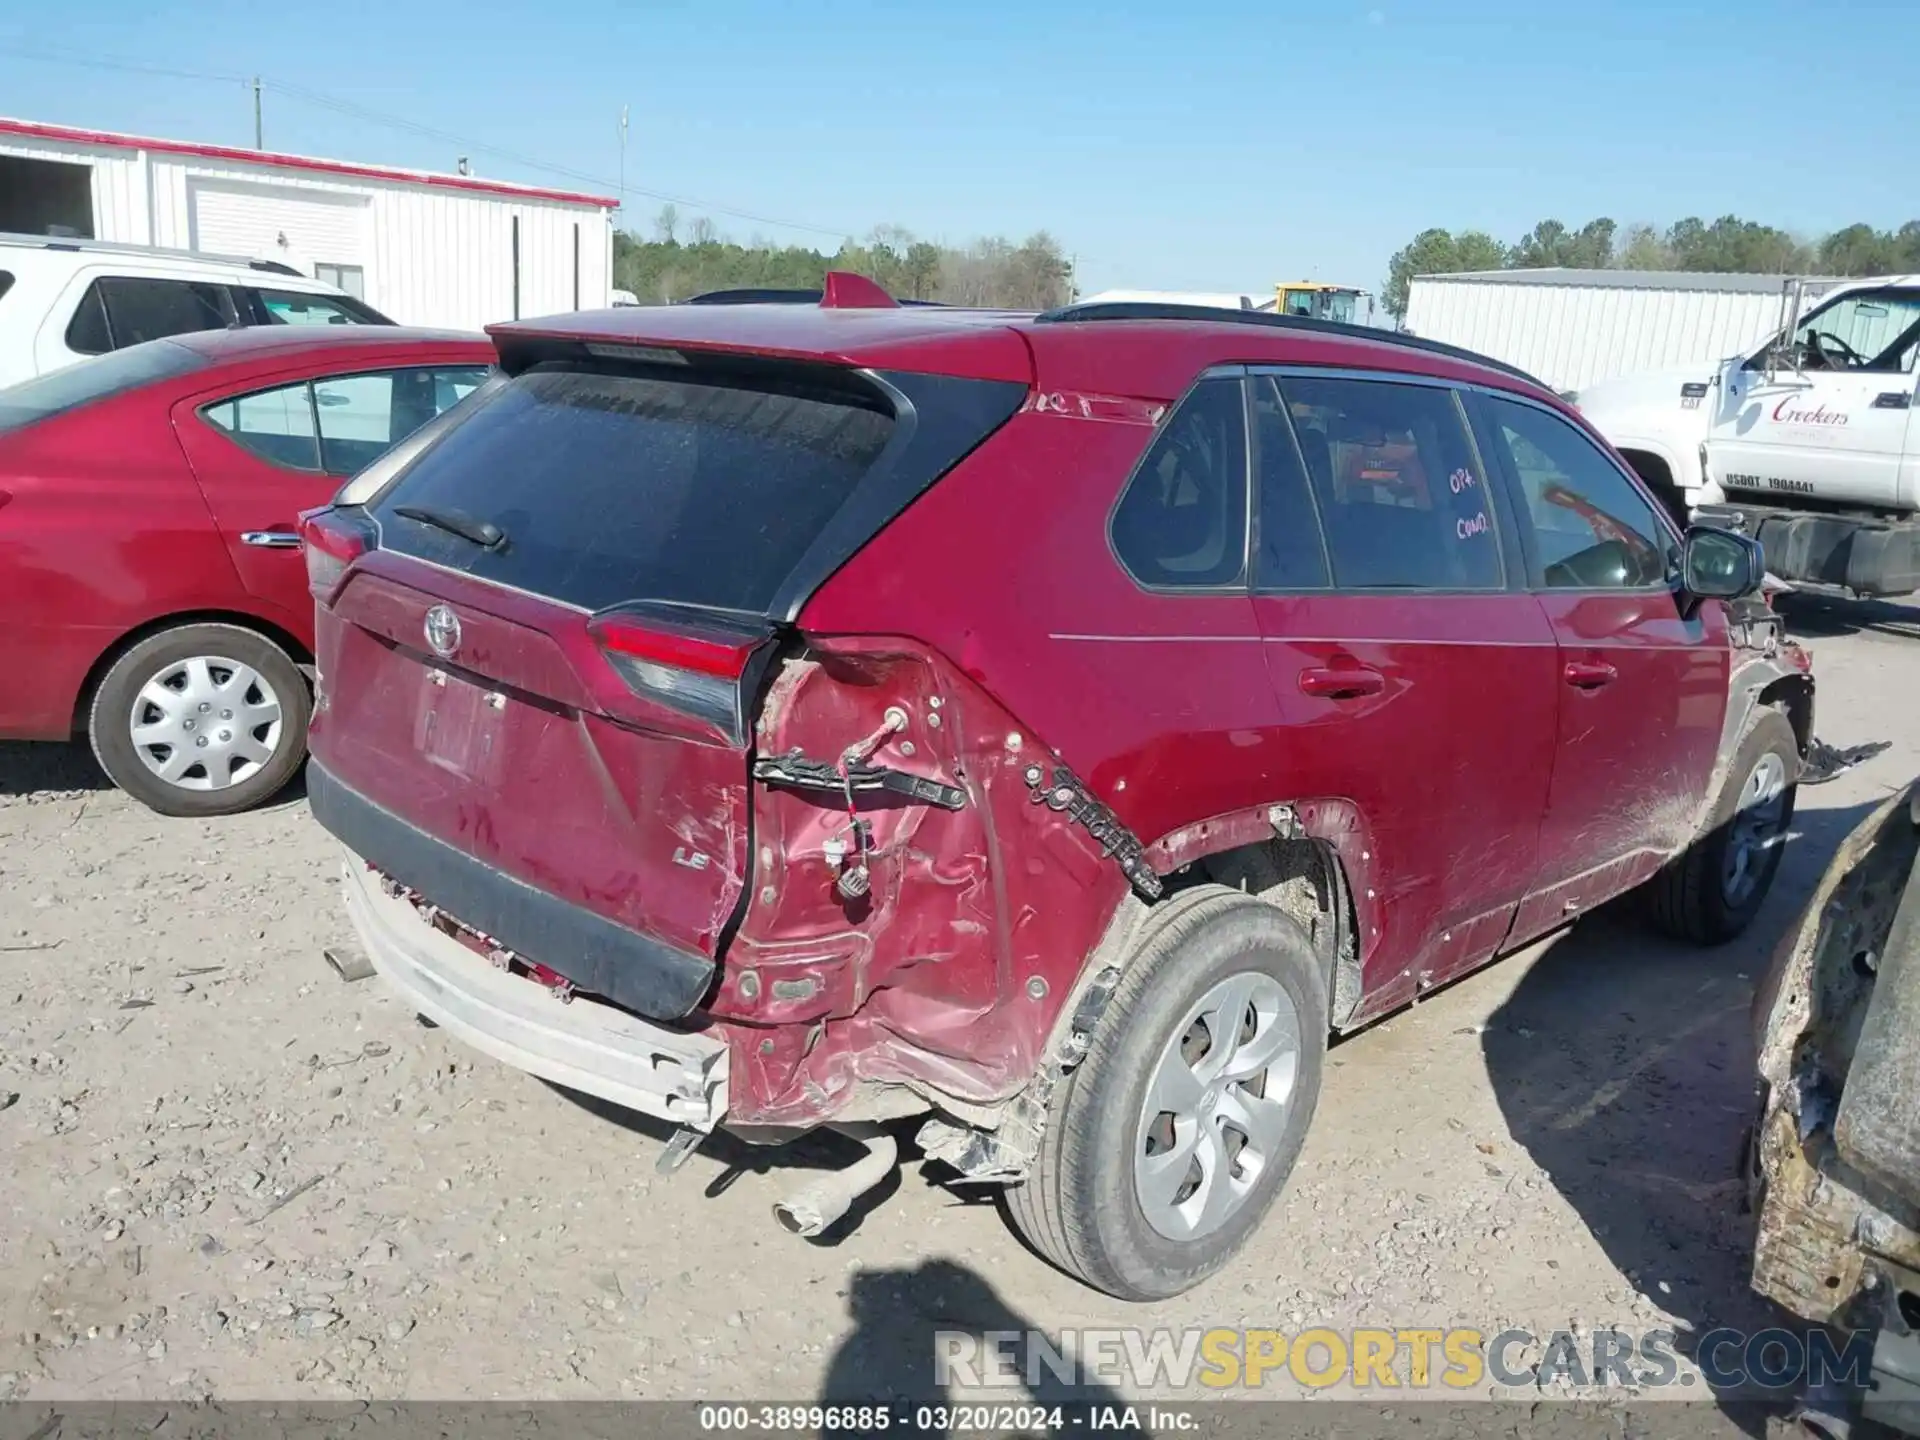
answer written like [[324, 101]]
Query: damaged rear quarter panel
[[946, 977]]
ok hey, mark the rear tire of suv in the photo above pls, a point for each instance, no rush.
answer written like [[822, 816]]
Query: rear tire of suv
[[201, 720], [1167, 1144], [1712, 891]]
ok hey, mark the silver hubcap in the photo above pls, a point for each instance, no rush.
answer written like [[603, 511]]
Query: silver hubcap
[[1217, 1106], [1757, 827], [205, 723]]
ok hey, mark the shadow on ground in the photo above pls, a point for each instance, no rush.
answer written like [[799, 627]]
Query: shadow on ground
[[1624, 1063], [36, 769], [905, 1320], [53, 771], [1820, 617]]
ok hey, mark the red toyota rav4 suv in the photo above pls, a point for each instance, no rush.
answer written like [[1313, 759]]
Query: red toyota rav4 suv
[[1051, 726]]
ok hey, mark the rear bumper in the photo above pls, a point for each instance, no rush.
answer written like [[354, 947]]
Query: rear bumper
[[585, 1046], [636, 971]]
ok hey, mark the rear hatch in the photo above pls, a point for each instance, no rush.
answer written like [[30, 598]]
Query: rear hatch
[[542, 644]]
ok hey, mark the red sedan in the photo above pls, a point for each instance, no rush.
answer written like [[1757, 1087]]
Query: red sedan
[[152, 591]]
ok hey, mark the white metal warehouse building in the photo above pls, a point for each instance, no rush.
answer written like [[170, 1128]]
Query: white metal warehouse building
[[1570, 328], [423, 248]]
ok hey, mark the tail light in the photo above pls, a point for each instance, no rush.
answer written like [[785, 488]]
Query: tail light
[[705, 666], [333, 540]]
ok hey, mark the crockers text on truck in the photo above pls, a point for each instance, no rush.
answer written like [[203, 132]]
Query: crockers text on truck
[[1809, 442]]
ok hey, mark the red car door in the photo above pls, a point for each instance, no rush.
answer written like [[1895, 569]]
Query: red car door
[[1414, 673], [1642, 689], [265, 451]]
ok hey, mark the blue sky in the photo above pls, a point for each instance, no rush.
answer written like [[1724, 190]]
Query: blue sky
[[1210, 144]]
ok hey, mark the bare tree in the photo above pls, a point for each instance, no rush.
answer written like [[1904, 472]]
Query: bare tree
[[666, 223]]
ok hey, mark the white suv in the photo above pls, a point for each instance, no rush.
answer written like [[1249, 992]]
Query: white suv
[[64, 300]]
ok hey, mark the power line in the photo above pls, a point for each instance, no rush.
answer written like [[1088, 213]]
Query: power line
[[397, 122], [94, 62]]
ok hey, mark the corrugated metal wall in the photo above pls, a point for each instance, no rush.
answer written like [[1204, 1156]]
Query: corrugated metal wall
[[1573, 335], [432, 256]]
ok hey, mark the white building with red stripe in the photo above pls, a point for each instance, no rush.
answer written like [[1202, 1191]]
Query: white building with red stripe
[[424, 248]]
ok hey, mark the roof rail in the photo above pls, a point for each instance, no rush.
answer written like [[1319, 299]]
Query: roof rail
[[752, 295], [156, 252], [1148, 310]]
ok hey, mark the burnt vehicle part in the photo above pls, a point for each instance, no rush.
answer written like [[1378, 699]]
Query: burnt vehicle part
[[1834, 1158]]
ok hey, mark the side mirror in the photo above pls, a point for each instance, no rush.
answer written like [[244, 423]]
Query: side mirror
[[1720, 565]]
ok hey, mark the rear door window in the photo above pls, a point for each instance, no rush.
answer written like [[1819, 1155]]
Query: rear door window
[[144, 309], [1398, 486], [342, 423], [87, 332], [1290, 554], [1181, 523], [694, 487], [277, 425], [122, 310]]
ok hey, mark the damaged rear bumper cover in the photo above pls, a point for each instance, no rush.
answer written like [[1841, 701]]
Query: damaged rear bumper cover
[[585, 1046]]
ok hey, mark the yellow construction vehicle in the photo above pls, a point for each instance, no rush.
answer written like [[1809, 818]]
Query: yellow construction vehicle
[[1318, 300]]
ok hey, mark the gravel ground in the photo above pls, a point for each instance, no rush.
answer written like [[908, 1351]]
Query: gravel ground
[[223, 1172]]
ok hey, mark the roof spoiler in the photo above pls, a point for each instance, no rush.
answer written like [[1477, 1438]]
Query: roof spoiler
[[844, 291]]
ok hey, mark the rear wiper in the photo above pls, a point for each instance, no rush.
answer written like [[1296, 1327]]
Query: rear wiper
[[483, 533]]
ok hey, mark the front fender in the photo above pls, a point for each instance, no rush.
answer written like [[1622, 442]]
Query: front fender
[[1760, 680]]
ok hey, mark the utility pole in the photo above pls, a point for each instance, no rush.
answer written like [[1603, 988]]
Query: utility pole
[[258, 142], [623, 164]]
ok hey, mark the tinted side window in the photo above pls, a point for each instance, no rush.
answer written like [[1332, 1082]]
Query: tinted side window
[[277, 425], [1182, 522], [87, 330], [362, 416], [1290, 554], [141, 309], [6, 282], [1400, 491], [1593, 529]]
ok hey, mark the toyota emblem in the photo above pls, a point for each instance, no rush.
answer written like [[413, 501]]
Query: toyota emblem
[[443, 631]]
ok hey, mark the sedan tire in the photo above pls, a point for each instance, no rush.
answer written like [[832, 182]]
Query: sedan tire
[[202, 719]]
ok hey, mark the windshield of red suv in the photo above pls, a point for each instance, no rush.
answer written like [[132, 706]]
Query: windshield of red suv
[[107, 375], [607, 487]]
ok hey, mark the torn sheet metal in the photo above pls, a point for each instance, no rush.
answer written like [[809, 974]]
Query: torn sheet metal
[[1826, 762], [1835, 1172]]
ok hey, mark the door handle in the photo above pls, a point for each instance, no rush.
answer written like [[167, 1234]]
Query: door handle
[[271, 539], [1342, 684], [1893, 400], [1590, 674]]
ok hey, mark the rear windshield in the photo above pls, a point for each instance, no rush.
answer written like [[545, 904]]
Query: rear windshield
[[72, 386], [618, 487]]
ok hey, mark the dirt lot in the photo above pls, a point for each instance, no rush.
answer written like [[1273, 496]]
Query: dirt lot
[[224, 1172]]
